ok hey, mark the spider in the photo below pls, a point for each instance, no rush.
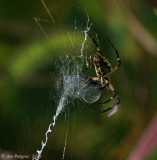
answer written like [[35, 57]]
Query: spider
[[103, 70]]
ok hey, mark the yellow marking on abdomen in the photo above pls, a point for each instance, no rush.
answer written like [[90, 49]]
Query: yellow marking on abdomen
[[102, 80]]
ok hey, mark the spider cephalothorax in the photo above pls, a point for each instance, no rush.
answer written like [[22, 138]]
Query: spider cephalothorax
[[103, 69]]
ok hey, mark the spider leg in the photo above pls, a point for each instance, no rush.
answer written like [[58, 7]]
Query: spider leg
[[94, 41], [85, 69], [113, 96], [118, 101], [89, 67], [118, 58]]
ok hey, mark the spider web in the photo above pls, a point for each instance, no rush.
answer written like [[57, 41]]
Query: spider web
[[70, 68], [66, 69]]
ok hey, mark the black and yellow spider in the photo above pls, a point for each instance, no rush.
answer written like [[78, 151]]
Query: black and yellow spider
[[103, 70]]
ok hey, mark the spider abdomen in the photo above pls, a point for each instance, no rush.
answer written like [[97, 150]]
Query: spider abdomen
[[102, 65]]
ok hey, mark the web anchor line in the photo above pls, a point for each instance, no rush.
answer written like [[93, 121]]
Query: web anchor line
[[60, 107]]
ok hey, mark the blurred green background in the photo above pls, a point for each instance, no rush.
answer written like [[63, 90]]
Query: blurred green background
[[28, 98]]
